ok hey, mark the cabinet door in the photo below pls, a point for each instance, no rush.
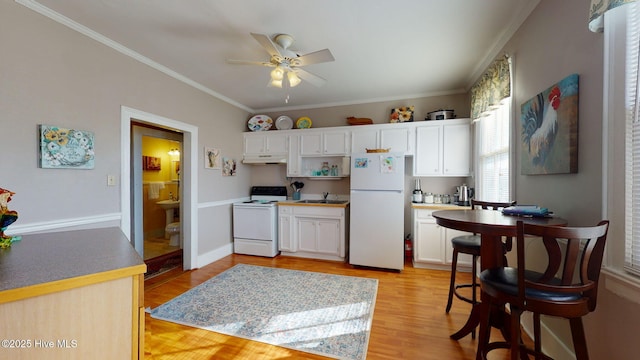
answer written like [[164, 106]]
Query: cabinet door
[[335, 143], [398, 140], [255, 144], [307, 234], [285, 233], [294, 162], [311, 144], [364, 139], [328, 237], [426, 161], [456, 150], [428, 244], [276, 144]]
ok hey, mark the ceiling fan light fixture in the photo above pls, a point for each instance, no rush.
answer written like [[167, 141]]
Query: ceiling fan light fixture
[[276, 83], [293, 78], [277, 74]]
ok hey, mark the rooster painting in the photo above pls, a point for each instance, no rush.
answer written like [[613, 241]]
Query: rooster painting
[[549, 130]]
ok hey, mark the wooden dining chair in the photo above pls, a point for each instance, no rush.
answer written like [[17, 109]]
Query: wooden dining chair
[[470, 244], [554, 292]]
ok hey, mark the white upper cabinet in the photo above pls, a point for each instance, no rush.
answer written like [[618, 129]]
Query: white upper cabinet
[[427, 160], [324, 143], [443, 148], [395, 137], [398, 139], [456, 148], [258, 143], [294, 168], [363, 139]]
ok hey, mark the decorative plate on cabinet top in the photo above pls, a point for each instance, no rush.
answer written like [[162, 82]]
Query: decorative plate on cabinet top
[[260, 123], [303, 122], [284, 123]]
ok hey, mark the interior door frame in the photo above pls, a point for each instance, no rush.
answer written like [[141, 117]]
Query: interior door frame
[[189, 219]]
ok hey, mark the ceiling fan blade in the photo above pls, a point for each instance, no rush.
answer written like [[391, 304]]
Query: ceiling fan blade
[[245, 62], [267, 44], [315, 57], [312, 78]]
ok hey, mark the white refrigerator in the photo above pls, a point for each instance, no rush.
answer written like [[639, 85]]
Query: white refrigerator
[[377, 210]]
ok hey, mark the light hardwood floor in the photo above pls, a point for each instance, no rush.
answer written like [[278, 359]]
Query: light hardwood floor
[[409, 320]]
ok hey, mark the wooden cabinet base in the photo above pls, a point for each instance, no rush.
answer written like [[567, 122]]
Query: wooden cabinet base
[[89, 322]]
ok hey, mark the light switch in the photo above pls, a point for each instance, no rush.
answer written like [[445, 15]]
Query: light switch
[[111, 180]]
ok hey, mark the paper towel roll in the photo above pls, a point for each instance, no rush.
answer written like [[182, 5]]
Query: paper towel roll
[[346, 166]]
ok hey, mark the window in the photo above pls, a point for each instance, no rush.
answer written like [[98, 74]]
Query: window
[[632, 238], [491, 112], [492, 137]]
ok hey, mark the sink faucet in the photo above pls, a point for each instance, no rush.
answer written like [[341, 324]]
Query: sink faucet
[[324, 195]]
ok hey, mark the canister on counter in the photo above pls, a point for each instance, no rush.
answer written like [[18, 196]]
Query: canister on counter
[[428, 198], [437, 199]]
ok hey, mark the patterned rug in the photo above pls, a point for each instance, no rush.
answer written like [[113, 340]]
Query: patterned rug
[[325, 314]]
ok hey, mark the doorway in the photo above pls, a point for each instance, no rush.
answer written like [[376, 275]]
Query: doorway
[[132, 186], [158, 152]]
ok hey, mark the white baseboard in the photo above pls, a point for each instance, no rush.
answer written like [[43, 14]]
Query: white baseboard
[[215, 255], [87, 222], [551, 344]]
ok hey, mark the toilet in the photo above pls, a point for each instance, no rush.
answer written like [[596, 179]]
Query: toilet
[[173, 232]]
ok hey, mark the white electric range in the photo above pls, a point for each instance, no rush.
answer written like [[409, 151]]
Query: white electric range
[[255, 222]]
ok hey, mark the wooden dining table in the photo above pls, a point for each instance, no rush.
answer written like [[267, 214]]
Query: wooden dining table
[[492, 225]]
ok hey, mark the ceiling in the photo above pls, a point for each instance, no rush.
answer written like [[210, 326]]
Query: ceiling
[[384, 50]]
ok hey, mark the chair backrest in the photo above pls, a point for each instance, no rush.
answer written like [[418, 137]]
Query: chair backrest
[[583, 252], [490, 205]]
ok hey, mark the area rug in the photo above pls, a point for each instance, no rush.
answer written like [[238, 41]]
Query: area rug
[[324, 314]]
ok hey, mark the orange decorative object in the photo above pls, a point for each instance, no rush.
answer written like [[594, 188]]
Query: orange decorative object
[[359, 121], [7, 217]]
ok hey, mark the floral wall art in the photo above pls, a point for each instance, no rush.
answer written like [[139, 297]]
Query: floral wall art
[[550, 130], [66, 148], [228, 167], [212, 159]]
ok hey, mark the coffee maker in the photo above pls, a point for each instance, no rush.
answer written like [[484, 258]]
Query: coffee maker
[[416, 197]]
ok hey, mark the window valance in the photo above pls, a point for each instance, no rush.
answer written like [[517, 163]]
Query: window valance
[[493, 86], [597, 10]]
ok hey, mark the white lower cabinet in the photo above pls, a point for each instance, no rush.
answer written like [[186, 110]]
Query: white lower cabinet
[[432, 243], [285, 229], [319, 235], [313, 231]]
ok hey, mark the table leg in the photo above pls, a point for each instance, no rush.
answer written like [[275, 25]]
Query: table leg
[[491, 255]]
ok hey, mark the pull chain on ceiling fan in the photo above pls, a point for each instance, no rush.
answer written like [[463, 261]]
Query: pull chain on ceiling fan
[[287, 64]]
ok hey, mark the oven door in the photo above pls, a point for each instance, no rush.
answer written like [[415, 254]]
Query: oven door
[[255, 222]]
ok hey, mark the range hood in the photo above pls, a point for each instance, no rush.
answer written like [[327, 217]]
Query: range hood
[[264, 159]]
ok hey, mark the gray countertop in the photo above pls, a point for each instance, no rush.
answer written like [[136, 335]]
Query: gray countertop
[[44, 258]]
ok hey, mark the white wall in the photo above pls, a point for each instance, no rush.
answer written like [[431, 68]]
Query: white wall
[[553, 43], [51, 74]]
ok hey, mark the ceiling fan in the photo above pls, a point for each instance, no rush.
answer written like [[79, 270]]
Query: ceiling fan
[[286, 63]]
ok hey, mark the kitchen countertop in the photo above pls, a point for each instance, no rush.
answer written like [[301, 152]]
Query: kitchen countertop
[[50, 262], [439, 206], [297, 203]]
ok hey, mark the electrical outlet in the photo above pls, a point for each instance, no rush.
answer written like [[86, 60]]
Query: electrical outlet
[[111, 180]]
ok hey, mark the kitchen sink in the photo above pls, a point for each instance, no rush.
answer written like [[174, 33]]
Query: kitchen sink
[[322, 202]]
